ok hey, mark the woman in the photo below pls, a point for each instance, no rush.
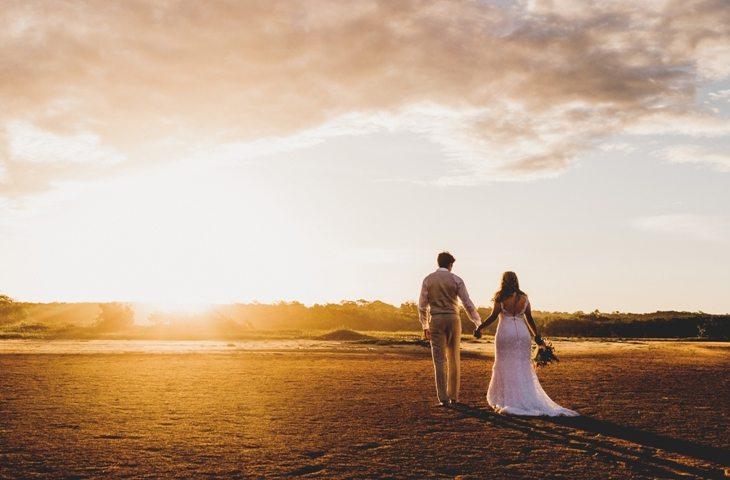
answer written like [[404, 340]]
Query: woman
[[514, 388]]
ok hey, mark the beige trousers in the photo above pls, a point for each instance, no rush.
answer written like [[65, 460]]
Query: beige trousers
[[445, 342]]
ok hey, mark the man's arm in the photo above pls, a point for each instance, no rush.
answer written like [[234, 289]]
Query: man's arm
[[495, 313], [471, 310], [423, 309]]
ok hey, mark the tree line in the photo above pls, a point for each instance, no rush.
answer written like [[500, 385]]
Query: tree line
[[354, 315]]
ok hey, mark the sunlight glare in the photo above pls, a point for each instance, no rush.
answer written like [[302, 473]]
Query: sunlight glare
[[178, 237]]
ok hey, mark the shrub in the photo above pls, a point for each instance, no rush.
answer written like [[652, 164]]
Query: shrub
[[11, 311], [114, 316]]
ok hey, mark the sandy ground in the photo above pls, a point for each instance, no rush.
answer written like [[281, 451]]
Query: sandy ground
[[342, 410]]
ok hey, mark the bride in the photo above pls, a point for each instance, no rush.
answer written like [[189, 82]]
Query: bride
[[514, 388]]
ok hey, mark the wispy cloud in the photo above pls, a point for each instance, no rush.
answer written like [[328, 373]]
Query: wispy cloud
[[618, 147], [28, 143], [697, 154], [512, 90], [689, 226], [722, 94]]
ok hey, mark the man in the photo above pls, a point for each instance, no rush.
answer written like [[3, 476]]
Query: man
[[439, 300]]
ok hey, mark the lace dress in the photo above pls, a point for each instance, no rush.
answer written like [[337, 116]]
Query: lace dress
[[514, 388]]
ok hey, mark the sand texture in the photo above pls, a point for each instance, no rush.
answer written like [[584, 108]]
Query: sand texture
[[650, 410]]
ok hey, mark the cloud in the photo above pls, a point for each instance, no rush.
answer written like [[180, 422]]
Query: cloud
[[720, 95], [30, 144], [697, 154], [510, 90], [624, 147], [695, 227]]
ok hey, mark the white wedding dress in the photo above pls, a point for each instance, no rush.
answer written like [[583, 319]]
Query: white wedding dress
[[514, 388]]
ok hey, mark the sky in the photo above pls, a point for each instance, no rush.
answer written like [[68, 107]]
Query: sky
[[185, 152]]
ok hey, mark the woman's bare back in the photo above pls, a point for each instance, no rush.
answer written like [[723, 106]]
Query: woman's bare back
[[514, 304]]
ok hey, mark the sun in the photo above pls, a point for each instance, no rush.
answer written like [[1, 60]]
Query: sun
[[181, 237], [179, 307]]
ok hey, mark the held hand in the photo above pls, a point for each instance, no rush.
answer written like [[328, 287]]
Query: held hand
[[478, 333], [538, 340], [427, 333]]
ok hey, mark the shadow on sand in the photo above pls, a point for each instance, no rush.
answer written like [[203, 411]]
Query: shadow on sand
[[642, 451]]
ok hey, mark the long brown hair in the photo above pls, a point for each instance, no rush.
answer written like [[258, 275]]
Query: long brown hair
[[510, 286]]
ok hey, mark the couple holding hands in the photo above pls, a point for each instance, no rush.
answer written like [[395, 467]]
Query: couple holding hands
[[514, 388]]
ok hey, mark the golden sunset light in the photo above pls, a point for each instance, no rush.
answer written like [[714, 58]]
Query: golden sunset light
[[251, 238]]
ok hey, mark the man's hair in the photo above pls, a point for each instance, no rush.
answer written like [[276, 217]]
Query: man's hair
[[445, 259]]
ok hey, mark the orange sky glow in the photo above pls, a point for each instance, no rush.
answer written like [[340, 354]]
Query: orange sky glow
[[186, 152]]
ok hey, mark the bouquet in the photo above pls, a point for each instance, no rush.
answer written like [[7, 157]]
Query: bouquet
[[544, 353]]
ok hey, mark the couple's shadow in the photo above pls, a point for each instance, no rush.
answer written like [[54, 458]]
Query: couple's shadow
[[638, 449]]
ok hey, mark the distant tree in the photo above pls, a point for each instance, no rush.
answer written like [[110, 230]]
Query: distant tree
[[409, 311], [11, 311], [114, 316], [715, 328], [159, 319], [467, 326]]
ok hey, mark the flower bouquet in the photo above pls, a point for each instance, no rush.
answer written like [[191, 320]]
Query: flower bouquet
[[544, 353]]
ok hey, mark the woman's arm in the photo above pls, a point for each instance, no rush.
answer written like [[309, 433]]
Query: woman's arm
[[495, 313], [531, 325]]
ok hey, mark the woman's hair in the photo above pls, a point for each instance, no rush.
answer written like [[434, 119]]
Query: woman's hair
[[510, 286]]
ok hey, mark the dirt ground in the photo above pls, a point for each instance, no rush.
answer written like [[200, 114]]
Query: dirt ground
[[654, 410]]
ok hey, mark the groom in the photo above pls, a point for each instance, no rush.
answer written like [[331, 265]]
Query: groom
[[439, 300]]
